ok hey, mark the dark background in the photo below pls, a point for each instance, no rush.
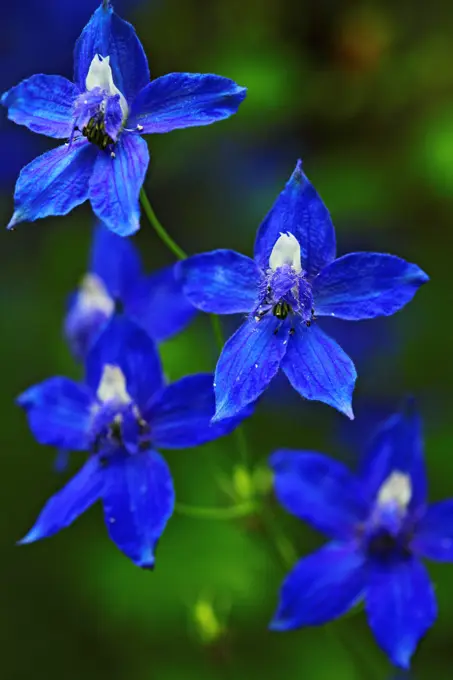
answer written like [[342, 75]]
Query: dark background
[[363, 93]]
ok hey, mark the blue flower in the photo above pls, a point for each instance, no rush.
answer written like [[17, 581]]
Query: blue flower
[[36, 36], [121, 415], [115, 282], [102, 115], [293, 279], [379, 524]]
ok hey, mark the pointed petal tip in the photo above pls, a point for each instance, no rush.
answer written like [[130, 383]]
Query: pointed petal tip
[[347, 410], [423, 277], [24, 399], [298, 173], [31, 537], [15, 219], [276, 625], [217, 417], [224, 411], [241, 92], [146, 560], [403, 659], [148, 564]]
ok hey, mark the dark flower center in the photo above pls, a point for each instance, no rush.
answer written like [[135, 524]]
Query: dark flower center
[[119, 306], [385, 546], [95, 132], [282, 309]]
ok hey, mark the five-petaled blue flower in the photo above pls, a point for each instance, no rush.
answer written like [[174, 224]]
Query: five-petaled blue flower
[[122, 413], [102, 115], [293, 279], [115, 283], [380, 525]]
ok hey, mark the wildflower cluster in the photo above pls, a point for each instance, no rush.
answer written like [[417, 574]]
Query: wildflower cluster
[[123, 412]]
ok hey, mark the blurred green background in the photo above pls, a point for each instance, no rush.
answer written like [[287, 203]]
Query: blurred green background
[[363, 93]]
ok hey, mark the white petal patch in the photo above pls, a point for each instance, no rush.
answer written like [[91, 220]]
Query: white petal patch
[[93, 296], [396, 490], [113, 386], [286, 251], [100, 75]]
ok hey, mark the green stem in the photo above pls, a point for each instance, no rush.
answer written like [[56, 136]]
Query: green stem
[[159, 229], [215, 321], [217, 330], [231, 512]]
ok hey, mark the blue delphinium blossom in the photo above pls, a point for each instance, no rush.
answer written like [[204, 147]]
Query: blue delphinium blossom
[[293, 279], [380, 525], [102, 115], [36, 35], [121, 415], [115, 283]]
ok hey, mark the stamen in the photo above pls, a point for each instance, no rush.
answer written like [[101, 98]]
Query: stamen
[[281, 310]]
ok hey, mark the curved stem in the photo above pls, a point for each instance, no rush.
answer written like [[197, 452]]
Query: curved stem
[[217, 330], [161, 231], [215, 321], [231, 512]]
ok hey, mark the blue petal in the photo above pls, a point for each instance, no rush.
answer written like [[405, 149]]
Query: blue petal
[[300, 211], [247, 364], [221, 282], [138, 501], [59, 413], [124, 344], [158, 304], [318, 490], [109, 36], [401, 607], [44, 104], [62, 509], [54, 183], [113, 116], [321, 587], [116, 261], [434, 533], [318, 369], [397, 447], [366, 285], [180, 416], [116, 182], [181, 100]]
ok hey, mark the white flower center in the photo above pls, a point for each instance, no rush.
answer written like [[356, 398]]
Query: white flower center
[[286, 251], [112, 386], [396, 490], [93, 296], [100, 75]]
